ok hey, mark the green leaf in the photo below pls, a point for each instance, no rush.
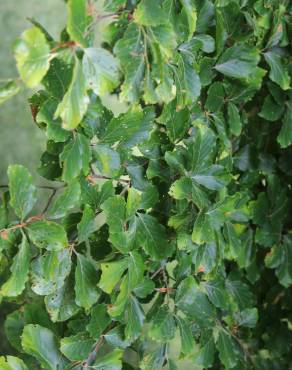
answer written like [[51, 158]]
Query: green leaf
[[285, 135], [8, 89], [206, 353], [107, 160], [61, 304], [271, 111], [239, 292], [78, 21], [99, 321], [77, 347], [186, 336], [234, 120], [239, 61], [215, 98], [129, 51], [76, 156], [48, 235], [86, 225], [163, 325], [42, 344], [67, 200], [189, 82], [177, 122], [101, 70], [130, 128], [111, 274], [109, 361], [202, 230], [134, 317], [116, 338], [228, 352], [185, 188], [247, 318], [54, 126], [49, 271], [85, 282], [190, 12], [115, 212], [149, 13], [19, 271], [279, 258], [216, 293], [22, 191], [152, 237], [75, 102], [278, 72], [12, 363], [32, 54], [190, 300]]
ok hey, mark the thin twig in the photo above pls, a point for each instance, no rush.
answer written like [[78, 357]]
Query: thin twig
[[49, 200], [156, 273]]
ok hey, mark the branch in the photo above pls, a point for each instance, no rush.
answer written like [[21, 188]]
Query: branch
[[92, 355], [49, 200]]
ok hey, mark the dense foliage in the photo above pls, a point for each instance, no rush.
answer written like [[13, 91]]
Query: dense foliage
[[166, 241]]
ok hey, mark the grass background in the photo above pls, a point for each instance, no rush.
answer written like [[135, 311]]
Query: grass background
[[21, 141]]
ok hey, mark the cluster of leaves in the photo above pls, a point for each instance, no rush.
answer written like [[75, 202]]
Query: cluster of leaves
[[166, 241]]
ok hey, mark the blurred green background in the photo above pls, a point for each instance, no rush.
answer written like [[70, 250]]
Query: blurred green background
[[21, 141]]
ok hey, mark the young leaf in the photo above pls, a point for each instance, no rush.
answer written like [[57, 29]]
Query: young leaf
[[22, 191], [32, 54]]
